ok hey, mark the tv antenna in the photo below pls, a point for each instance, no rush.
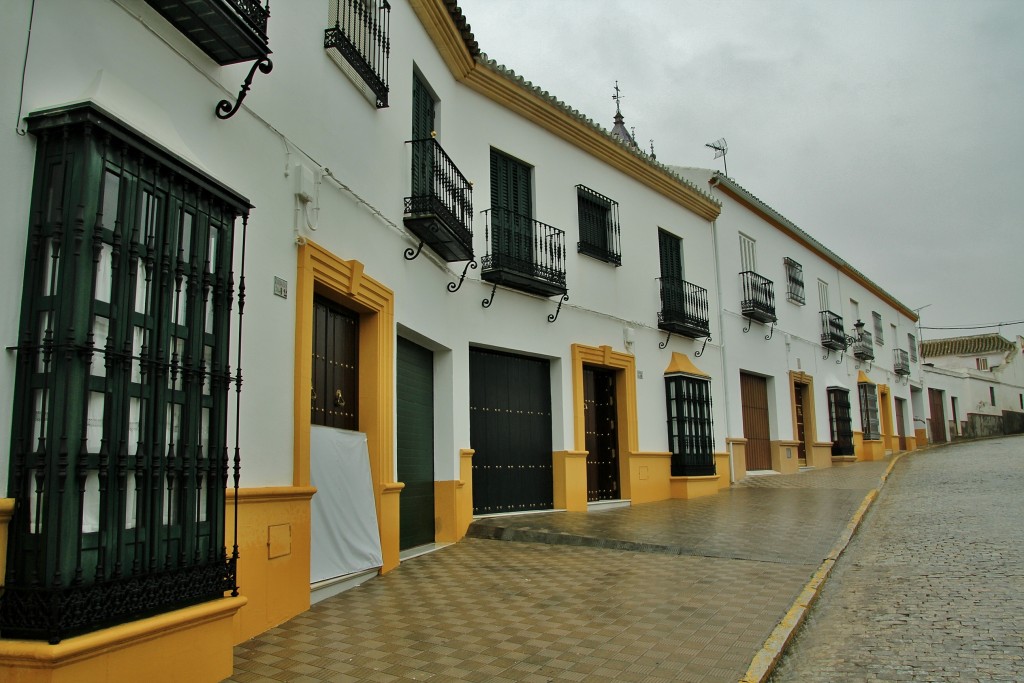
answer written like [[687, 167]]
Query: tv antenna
[[721, 147]]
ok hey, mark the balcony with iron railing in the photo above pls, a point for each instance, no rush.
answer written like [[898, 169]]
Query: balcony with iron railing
[[684, 308], [229, 31], [833, 336], [758, 297], [523, 254], [440, 208], [360, 37], [900, 362], [863, 345]]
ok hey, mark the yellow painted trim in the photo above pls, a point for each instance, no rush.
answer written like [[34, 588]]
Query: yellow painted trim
[[523, 100], [810, 421], [624, 365], [465, 500], [6, 512], [738, 450], [863, 378], [688, 488], [921, 436], [649, 472], [885, 417], [680, 364], [780, 463], [822, 455], [268, 494], [569, 470], [193, 643], [345, 282], [722, 469]]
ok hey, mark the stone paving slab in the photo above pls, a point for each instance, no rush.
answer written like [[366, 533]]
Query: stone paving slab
[[713, 578], [932, 586]]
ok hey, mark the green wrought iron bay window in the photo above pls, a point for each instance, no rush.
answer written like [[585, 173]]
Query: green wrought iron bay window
[[868, 395], [119, 457], [690, 437]]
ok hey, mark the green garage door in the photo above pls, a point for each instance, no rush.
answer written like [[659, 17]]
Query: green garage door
[[415, 398]]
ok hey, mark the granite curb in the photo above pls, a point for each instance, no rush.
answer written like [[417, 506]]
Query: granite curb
[[764, 662]]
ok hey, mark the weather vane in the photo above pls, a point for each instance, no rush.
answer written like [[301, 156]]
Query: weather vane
[[721, 147], [617, 97]]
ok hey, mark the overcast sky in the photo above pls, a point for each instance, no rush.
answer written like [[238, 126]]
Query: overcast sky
[[892, 131]]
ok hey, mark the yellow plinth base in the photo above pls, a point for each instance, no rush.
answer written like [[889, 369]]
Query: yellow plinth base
[[688, 488]]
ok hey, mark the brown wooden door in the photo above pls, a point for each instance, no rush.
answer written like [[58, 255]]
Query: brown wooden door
[[601, 434], [335, 388], [754, 397], [800, 397], [938, 416], [901, 429]]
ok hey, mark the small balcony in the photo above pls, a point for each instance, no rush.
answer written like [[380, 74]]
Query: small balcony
[[863, 346], [758, 297], [440, 210], [833, 336], [360, 37], [900, 362], [684, 308], [523, 254], [229, 31]]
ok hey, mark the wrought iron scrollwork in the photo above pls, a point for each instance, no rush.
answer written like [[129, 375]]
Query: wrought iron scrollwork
[[747, 328], [454, 287], [768, 336], [225, 109], [486, 303], [704, 346], [662, 345], [552, 317], [411, 254]]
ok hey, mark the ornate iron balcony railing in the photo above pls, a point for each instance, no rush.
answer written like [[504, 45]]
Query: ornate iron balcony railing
[[361, 35], [900, 362], [795, 281], [864, 347], [833, 336], [229, 31], [440, 209], [523, 253], [758, 297], [684, 308]]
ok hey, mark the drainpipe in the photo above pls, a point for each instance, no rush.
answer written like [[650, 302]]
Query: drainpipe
[[721, 332]]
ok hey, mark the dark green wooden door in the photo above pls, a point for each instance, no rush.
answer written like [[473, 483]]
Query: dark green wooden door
[[415, 399], [510, 432]]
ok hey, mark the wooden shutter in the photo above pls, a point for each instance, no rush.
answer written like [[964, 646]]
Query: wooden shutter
[[670, 249]]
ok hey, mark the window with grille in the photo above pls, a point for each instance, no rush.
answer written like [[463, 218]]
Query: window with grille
[[689, 425], [795, 282], [119, 453], [599, 226], [823, 296], [869, 410], [912, 345], [840, 421], [877, 318]]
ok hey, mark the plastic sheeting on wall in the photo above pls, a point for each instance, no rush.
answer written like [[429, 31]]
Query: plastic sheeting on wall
[[345, 537]]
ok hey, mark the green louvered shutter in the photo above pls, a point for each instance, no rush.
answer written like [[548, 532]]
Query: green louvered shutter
[[512, 208], [422, 127], [671, 252]]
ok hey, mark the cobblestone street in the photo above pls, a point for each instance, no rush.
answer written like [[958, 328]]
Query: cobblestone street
[[932, 586]]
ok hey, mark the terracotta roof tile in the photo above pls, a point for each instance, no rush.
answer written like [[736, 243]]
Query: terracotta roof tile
[[966, 346]]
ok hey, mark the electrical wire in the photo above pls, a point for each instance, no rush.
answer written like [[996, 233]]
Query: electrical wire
[[975, 327], [24, 68]]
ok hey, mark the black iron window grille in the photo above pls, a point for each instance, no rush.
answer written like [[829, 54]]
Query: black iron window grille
[[690, 436], [758, 297], [900, 362], [599, 226], [795, 282], [877, 319], [684, 308], [912, 345], [361, 35], [523, 253], [869, 411], [119, 452], [440, 210], [833, 336], [840, 421]]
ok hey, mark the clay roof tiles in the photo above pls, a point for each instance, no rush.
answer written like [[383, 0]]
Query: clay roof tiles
[[973, 345]]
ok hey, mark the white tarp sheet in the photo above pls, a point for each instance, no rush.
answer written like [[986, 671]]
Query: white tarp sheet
[[345, 538]]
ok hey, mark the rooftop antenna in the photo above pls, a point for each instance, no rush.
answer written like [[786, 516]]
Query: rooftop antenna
[[721, 147]]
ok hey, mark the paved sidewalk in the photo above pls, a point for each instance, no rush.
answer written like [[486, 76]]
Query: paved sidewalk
[[668, 591]]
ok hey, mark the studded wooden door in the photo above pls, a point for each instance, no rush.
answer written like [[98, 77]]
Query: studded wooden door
[[601, 439], [756, 430], [510, 432], [335, 390]]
